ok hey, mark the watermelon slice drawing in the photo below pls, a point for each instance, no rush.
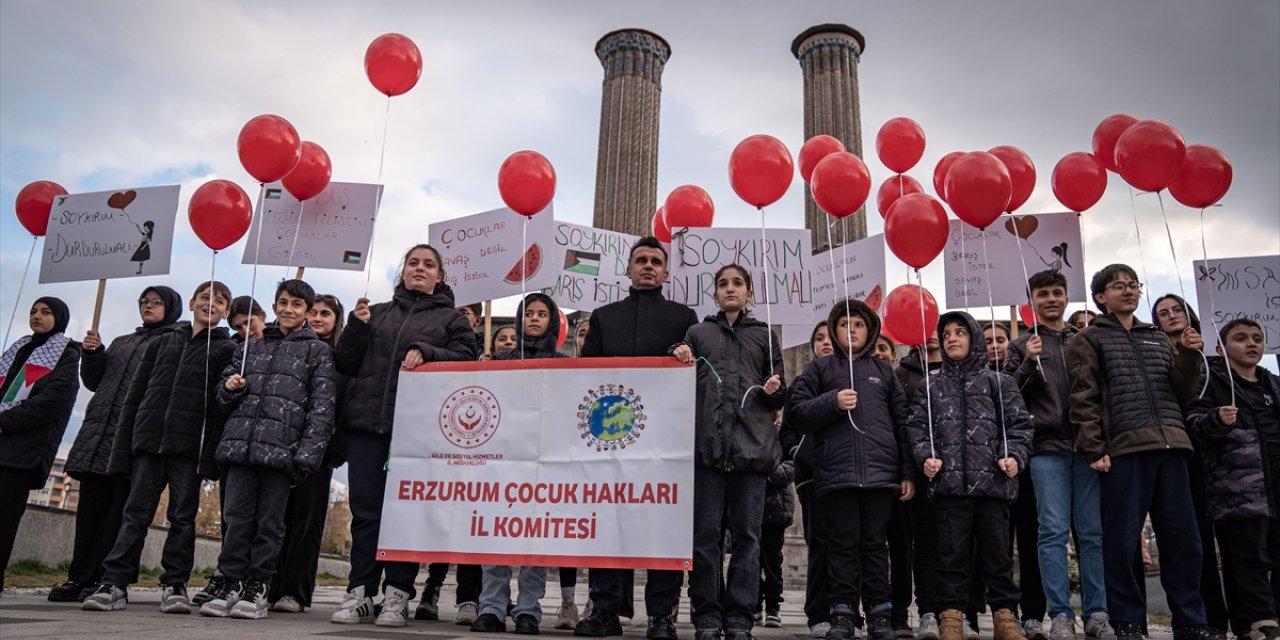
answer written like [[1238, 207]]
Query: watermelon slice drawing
[[527, 267], [875, 299]]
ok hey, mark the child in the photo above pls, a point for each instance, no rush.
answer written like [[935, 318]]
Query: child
[[504, 339], [1239, 446], [167, 432], [281, 416], [972, 452], [885, 349], [997, 340], [247, 318], [855, 412], [735, 449], [536, 338], [779, 505]]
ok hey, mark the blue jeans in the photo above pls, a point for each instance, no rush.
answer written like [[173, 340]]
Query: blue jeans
[[495, 591], [1065, 487]]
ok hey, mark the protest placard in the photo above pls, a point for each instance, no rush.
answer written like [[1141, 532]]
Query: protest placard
[[1230, 288], [1048, 241], [109, 234], [590, 266], [483, 257], [699, 253], [859, 271], [334, 232], [571, 463]]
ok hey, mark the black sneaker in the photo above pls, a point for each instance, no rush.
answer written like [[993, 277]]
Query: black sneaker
[[68, 591], [707, 633], [216, 584], [429, 606], [1202, 632], [843, 624], [660, 628], [737, 631], [598, 625], [489, 623], [902, 628], [526, 625], [880, 627], [1127, 630]]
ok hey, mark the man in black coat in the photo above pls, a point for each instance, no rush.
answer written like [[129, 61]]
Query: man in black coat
[[642, 324]]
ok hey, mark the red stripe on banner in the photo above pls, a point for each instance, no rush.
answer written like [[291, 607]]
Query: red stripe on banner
[[535, 560], [555, 363]]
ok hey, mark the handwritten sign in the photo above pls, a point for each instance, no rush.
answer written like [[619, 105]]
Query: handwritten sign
[[1233, 288], [590, 266], [859, 265], [334, 232], [700, 252], [484, 258], [110, 234], [1046, 241]]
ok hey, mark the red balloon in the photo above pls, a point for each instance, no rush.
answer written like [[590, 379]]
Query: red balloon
[[393, 64], [564, 329], [814, 150], [1105, 136], [902, 316], [659, 226], [1150, 154], [916, 229], [1022, 174], [1027, 314], [894, 188], [979, 188], [35, 203], [312, 174], [220, 213], [688, 206], [1204, 177], [269, 148], [841, 184], [760, 170], [1079, 180], [940, 173], [527, 182], [900, 143]]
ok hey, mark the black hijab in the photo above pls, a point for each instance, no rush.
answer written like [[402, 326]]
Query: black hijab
[[172, 306], [61, 318]]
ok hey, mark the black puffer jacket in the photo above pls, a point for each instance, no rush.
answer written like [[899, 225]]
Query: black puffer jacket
[[779, 501], [369, 353], [910, 373], [31, 431], [872, 454], [170, 408], [967, 434], [543, 346], [642, 324], [1234, 458], [283, 417], [1045, 387], [728, 435]]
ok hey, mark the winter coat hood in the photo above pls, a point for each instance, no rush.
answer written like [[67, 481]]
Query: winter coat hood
[[977, 358], [545, 343], [860, 309]]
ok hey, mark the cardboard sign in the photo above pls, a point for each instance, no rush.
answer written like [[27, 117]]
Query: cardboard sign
[[699, 253], [1047, 241], [109, 234], [1233, 288], [859, 270], [484, 258], [591, 266], [334, 231]]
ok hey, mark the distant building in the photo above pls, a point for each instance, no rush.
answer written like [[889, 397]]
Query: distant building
[[60, 490]]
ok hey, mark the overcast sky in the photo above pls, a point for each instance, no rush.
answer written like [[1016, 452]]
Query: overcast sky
[[112, 95]]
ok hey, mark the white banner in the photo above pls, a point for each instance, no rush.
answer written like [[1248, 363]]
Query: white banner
[[334, 233], [590, 266], [109, 234], [1049, 241], [560, 463], [483, 256], [1233, 288], [859, 272], [702, 251]]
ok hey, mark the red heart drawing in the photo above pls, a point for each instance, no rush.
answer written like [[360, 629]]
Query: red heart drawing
[[1021, 227], [120, 200]]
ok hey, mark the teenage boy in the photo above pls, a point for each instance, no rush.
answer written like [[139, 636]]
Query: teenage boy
[[1236, 425], [1128, 386], [1066, 489], [169, 428]]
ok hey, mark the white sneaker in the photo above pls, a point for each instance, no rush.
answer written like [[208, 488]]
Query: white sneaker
[[927, 629], [395, 608], [173, 599], [819, 630], [971, 631], [1097, 625], [106, 598], [288, 604], [355, 608], [1063, 627], [1033, 630], [253, 602], [624, 621], [567, 615], [224, 600], [467, 613]]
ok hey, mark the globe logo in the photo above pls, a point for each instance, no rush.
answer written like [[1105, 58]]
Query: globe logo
[[610, 417]]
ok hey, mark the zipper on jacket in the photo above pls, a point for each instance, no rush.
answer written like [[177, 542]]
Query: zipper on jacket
[[1146, 382], [386, 385], [1065, 382], [859, 438]]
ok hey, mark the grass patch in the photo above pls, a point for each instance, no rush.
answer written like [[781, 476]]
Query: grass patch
[[29, 574]]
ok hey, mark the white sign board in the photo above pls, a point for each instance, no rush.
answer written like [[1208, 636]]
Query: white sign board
[[1048, 241], [699, 253], [109, 234], [484, 258], [859, 274], [573, 463], [334, 228], [590, 266], [1233, 288]]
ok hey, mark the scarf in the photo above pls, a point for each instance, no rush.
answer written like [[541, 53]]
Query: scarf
[[39, 363]]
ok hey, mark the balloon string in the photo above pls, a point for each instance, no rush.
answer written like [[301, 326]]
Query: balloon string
[[831, 253], [208, 345], [253, 282], [1080, 218], [1035, 326], [302, 206], [848, 336], [964, 267], [1142, 259], [924, 361], [1004, 435], [1186, 306], [1213, 313], [524, 276], [16, 301], [768, 284], [713, 369], [377, 203]]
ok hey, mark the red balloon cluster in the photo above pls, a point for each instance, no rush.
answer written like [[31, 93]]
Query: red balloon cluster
[[269, 148], [220, 213], [978, 188], [659, 226], [892, 189], [393, 64], [34, 203], [688, 206], [916, 229], [903, 318], [312, 173], [527, 182], [760, 170], [840, 184], [1079, 181], [814, 150], [900, 144]]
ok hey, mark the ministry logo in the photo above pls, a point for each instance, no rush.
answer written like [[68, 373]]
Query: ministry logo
[[610, 417], [470, 416]]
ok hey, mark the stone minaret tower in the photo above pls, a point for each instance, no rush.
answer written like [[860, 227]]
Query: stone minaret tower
[[627, 164], [828, 55]]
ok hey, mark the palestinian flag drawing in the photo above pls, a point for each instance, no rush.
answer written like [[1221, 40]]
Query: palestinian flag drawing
[[39, 364], [273, 194], [351, 257], [582, 262]]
